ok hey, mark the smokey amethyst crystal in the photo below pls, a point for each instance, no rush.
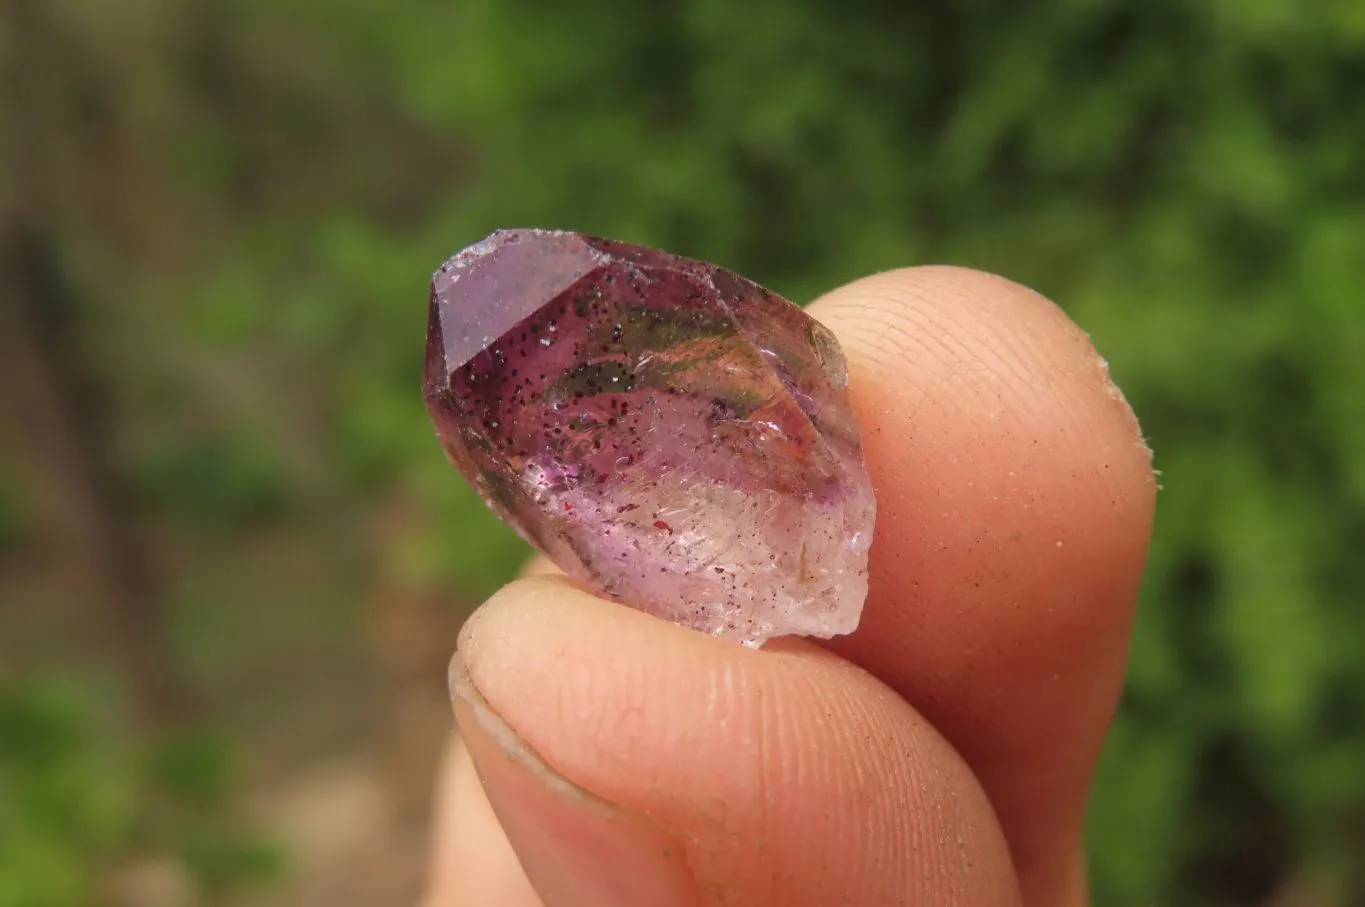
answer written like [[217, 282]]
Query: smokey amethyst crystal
[[670, 433]]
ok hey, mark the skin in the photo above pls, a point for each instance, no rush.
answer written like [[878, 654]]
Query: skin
[[942, 754]]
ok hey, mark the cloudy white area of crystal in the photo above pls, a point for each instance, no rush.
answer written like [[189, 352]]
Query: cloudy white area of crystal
[[740, 565]]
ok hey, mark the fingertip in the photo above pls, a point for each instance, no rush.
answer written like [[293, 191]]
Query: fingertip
[[986, 344], [540, 565], [788, 775], [1015, 502]]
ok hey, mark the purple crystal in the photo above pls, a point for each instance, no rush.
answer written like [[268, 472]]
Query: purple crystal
[[670, 433]]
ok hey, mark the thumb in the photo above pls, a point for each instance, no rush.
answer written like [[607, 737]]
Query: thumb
[[633, 762]]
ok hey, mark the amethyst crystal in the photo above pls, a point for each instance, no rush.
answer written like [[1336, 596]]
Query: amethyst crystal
[[672, 434]]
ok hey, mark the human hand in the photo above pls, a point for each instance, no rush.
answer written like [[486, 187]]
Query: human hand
[[940, 755]]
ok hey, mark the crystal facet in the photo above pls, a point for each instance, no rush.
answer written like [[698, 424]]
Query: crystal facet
[[672, 434]]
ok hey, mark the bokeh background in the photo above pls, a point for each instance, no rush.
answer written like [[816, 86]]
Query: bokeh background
[[232, 558]]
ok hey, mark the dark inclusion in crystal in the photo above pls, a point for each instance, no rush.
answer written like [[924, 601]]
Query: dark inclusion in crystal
[[667, 431]]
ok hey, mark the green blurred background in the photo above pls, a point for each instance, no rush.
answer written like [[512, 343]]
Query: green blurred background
[[233, 560]]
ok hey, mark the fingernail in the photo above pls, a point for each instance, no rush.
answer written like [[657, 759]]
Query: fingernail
[[577, 849]]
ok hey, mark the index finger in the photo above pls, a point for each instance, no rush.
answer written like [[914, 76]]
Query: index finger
[[1015, 498]]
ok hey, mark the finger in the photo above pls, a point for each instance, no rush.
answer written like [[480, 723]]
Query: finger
[[472, 862], [633, 762], [540, 565], [1015, 498]]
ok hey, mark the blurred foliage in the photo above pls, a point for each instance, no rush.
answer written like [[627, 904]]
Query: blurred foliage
[[14, 515], [77, 803], [67, 806], [245, 200]]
